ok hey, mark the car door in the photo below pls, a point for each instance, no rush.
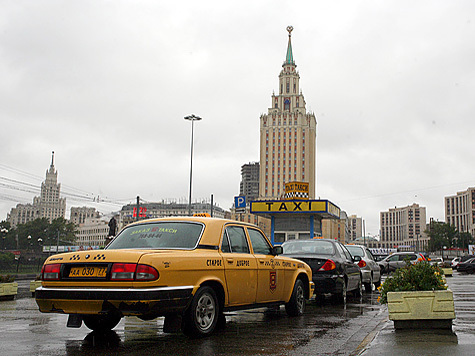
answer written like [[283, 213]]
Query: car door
[[374, 266], [240, 266], [392, 263], [270, 270], [351, 269], [403, 257]]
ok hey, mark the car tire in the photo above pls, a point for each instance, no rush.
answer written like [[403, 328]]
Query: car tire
[[358, 292], [341, 296], [368, 286], [101, 322], [296, 304], [202, 316]]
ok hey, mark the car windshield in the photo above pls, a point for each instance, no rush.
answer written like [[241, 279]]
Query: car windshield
[[308, 246], [166, 235], [355, 250]]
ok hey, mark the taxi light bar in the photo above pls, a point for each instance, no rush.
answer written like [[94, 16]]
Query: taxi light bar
[[328, 266], [51, 272], [361, 264]]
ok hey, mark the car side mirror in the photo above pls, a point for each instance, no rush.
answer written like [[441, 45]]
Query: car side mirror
[[356, 258], [277, 250]]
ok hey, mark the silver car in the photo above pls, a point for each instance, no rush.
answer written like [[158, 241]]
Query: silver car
[[370, 270]]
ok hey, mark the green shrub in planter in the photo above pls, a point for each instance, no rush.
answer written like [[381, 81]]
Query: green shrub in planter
[[7, 278], [421, 276]]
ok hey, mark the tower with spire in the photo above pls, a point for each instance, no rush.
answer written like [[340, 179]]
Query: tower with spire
[[287, 135], [48, 205]]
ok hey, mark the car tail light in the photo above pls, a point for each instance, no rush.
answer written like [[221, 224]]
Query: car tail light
[[361, 264], [146, 273], [123, 271], [51, 272], [328, 266]]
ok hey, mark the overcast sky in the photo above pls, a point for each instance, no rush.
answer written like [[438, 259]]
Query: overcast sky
[[106, 84]]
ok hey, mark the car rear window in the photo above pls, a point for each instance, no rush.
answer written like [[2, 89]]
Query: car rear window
[[309, 246], [163, 235], [355, 250]]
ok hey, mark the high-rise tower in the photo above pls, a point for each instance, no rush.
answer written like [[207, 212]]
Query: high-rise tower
[[288, 136], [48, 205]]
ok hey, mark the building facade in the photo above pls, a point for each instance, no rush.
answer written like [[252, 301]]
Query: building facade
[[336, 229], [92, 231], [48, 205], [249, 186], [128, 213], [355, 225], [404, 228], [80, 214], [287, 136], [460, 211]]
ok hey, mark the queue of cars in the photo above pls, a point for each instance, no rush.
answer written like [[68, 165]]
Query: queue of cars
[[334, 270], [191, 270]]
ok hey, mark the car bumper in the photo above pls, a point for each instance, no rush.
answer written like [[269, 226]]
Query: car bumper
[[365, 276], [128, 301], [328, 283]]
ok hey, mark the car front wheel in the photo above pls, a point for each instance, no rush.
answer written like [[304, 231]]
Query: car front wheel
[[202, 315], [296, 304]]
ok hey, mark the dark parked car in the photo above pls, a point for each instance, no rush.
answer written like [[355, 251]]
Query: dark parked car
[[467, 266], [370, 271], [398, 260], [333, 268]]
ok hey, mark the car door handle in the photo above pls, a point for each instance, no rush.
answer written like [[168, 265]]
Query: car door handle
[[262, 261], [230, 260]]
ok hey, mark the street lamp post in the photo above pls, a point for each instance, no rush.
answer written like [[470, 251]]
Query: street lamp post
[[4, 233], [191, 118]]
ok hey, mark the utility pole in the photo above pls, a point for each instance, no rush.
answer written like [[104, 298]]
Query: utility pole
[[211, 205], [138, 208]]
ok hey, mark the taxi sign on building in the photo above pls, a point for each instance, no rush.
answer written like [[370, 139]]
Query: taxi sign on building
[[274, 207], [296, 190]]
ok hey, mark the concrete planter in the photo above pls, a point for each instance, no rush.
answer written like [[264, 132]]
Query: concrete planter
[[447, 272], [421, 309], [8, 290], [33, 286]]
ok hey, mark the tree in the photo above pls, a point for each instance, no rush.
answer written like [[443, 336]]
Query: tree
[[34, 234], [441, 234], [464, 239]]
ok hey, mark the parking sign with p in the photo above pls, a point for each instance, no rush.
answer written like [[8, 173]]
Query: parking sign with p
[[239, 202]]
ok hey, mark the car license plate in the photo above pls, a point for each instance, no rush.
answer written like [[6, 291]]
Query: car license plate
[[85, 272]]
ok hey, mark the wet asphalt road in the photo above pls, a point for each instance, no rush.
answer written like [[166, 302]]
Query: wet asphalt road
[[459, 341], [325, 329]]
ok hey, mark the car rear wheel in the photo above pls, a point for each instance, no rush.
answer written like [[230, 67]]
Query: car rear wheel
[[102, 322], [296, 304], [368, 286], [358, 292], [202, 315], [341, 297]]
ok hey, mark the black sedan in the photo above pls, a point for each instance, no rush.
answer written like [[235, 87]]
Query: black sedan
[[467, 266], [333, 268]]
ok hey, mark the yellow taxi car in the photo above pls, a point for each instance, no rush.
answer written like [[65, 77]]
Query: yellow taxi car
[[189, 269]]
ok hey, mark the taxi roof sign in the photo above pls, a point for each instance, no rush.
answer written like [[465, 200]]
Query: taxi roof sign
[[202, 215]]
